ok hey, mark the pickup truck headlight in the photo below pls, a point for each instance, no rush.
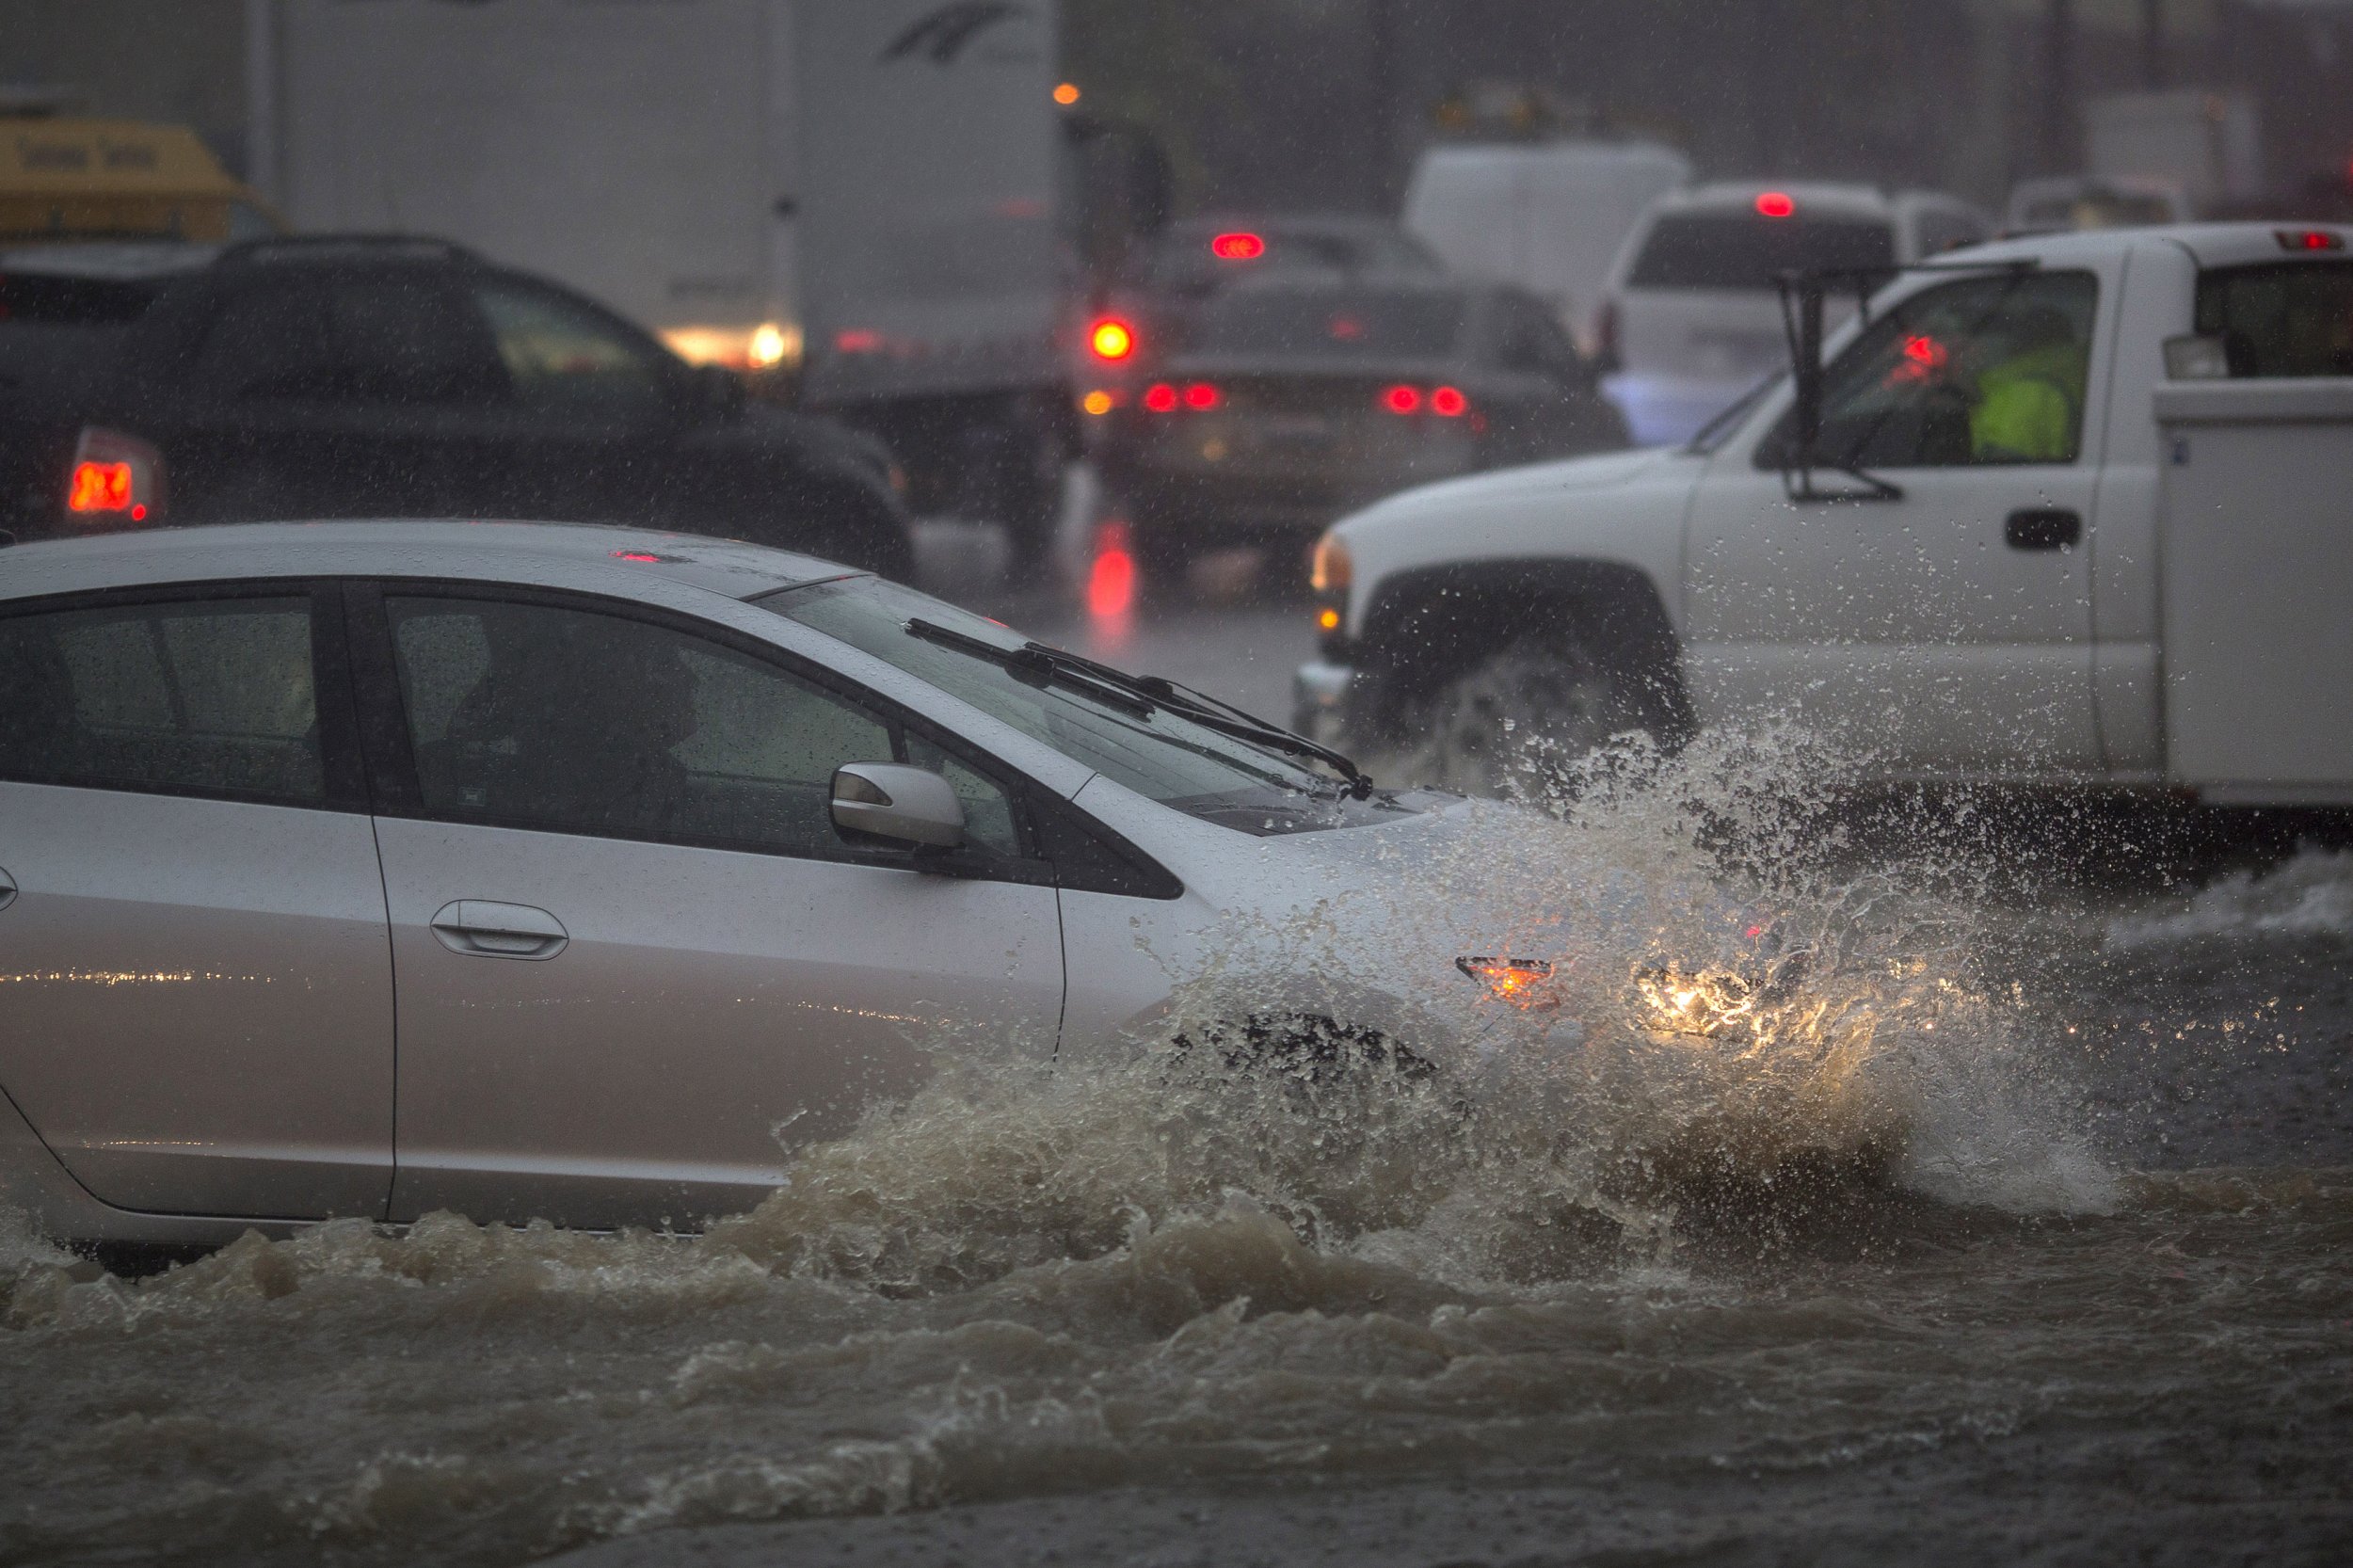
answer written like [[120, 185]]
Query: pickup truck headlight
[[1330, 575]]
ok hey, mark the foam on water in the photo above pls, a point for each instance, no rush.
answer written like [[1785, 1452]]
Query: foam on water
[[2309, 895], [1153, 1262]]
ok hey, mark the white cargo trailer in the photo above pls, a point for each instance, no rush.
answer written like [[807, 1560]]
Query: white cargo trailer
[[863, 187]]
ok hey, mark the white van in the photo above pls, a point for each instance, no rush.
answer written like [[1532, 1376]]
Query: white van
[[1548, 217], [1692, 316]]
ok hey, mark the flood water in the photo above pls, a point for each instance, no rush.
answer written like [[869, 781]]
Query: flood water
[[2019, 1228]]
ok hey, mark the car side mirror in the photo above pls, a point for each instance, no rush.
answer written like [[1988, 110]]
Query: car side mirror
[[903, 805]]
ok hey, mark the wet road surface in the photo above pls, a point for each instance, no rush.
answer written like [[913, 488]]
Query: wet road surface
[[2022, 1231]]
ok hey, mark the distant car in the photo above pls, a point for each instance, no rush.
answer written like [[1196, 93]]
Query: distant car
[[1285, 406], [2060, 202], [1168, 278], [1693, 317], [665, 855], [1549, 216], [329, 377]]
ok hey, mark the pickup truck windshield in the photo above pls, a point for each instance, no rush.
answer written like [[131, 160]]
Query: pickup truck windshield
[[2286, 319], [1157, 752], [1729, 250]]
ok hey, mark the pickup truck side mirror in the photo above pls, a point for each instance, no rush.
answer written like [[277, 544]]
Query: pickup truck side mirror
[[903, 806]]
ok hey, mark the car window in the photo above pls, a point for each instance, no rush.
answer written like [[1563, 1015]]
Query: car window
[[1734, 250], [577, 721], [2293, 319], [1990, 370], [211, 698], [371, 339], [1329, 323], [1159, 753], [564, 358]]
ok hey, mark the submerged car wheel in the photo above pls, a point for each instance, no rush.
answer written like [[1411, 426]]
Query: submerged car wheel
[[1512, 720]]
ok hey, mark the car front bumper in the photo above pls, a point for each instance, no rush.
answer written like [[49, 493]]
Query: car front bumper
[[1320, 698]]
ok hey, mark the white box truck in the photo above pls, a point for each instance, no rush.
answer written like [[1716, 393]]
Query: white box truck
[[863, 187]]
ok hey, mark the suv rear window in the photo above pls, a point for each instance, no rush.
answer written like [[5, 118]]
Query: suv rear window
[[2284, 319], [55, 300], [1727, 250], [1329, 323]]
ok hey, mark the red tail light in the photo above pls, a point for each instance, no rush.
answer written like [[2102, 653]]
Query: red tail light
[[1402, 399], [115, 478], [2307, 239], [1202, 396], [1449, 402], [1159, 398], [1775, 204], [1112, 339], [1241, 246]]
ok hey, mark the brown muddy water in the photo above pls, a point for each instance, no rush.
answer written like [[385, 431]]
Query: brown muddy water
[[2021, 1232]]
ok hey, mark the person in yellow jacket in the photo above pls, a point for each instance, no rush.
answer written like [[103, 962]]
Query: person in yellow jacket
[[2029, 406]]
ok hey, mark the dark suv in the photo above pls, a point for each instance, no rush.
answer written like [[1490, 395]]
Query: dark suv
[[358, 376]]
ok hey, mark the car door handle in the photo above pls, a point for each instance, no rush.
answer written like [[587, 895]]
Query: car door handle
[[8, 890], [2043, 528], [484, 930]]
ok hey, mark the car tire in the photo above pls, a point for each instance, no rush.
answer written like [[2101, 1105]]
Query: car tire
[[1514, 719]]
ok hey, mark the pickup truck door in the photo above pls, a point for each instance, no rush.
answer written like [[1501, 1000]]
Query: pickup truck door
[[1944, 626]]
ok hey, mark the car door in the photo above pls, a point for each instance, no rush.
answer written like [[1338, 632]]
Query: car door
[[1942, 625], [1539, 398], [194, 961], [319, 391], [638, 964]]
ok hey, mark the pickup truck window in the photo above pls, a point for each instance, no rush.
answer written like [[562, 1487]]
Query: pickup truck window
[[1989, 370], [2286, 319]]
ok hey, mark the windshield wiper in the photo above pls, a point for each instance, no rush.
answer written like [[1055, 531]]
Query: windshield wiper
[[1037, 662], [1143, 694]]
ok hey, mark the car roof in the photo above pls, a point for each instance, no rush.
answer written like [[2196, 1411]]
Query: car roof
[[613, 559], [116, 261], [2211, 245], [1817, 198]]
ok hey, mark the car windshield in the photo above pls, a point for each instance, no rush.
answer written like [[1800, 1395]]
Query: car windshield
[[1733, 250], [1159, 754], [1330, 324]]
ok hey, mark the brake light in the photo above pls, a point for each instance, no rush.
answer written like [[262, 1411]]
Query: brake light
[[101, 487], [1402, 399], [1241, 246], [1775, 204], [1449, 402], [2307, 239], [1112, 339], [1202, 396], [115, 476], [1159, 398], [857, 339]]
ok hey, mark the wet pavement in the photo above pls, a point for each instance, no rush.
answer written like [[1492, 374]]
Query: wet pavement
[[2022, 1231]]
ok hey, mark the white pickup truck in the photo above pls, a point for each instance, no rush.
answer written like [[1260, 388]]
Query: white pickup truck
[[2076, 509]]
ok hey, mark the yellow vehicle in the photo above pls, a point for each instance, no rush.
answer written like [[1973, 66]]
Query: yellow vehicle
[[74, 179]]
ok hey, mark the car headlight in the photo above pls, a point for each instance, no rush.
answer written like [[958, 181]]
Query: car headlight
[[1330, 574], [1517, 981]]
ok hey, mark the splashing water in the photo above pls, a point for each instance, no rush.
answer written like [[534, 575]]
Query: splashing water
[[1769, 1180]]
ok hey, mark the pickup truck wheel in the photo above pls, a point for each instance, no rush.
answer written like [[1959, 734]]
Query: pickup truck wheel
[[1517, 715]]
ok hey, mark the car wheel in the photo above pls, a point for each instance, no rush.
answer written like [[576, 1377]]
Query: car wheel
[[1511, 721]]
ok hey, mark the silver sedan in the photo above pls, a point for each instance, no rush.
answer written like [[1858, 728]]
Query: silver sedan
[[373, 869]]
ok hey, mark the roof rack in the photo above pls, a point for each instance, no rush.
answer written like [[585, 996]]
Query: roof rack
[[311, 248]]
